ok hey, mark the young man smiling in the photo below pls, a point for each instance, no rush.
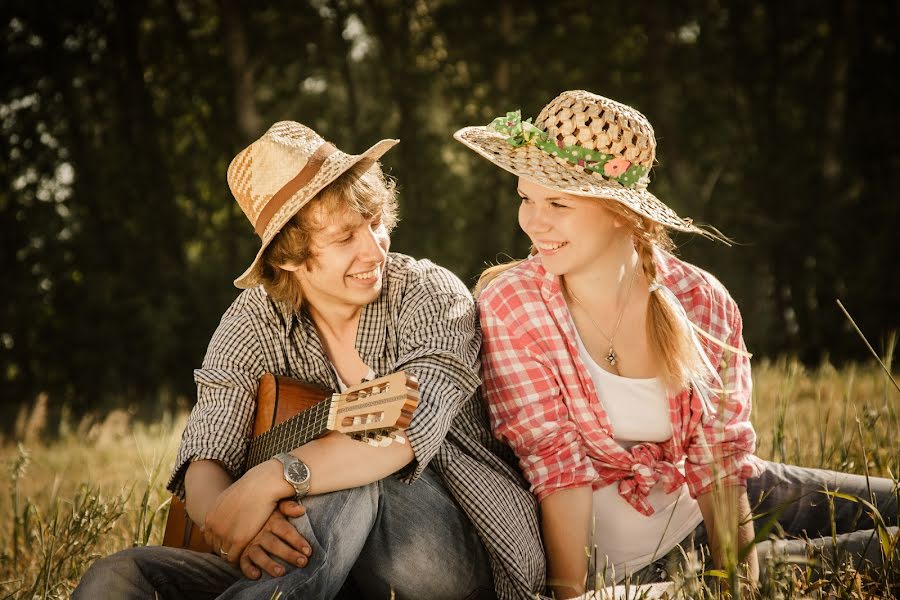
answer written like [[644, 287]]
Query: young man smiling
[[444, 515]]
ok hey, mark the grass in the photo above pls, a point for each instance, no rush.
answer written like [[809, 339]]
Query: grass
[[98, 487]]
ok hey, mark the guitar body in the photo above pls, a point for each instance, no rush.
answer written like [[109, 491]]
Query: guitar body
[[291, 412], [279, 398]]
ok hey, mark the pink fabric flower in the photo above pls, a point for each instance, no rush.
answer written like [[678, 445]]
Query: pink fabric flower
[[615, 167]]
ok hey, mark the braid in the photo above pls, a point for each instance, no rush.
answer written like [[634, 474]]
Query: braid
[[667, 335]]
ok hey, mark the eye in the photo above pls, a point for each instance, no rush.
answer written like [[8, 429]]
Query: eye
[[525, 199], [558, 205], [344, 240]]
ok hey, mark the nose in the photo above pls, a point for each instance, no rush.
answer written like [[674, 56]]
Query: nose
[[373, 245]]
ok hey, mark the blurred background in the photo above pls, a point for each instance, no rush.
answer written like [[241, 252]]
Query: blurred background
[[777, 122]]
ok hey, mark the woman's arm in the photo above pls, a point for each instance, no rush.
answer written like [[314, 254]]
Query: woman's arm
[[729, 526], [566, 524], [720, 452], [524, 395]]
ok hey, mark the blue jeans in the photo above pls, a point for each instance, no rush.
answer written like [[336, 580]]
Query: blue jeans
[[388, 536], [792, 497]]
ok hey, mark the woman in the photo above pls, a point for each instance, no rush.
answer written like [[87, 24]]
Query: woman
[[618, 373]]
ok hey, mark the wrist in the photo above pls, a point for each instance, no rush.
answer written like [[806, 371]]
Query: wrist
[[271, 475], [296, 473]]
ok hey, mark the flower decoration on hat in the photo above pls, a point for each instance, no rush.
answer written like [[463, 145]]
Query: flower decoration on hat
[[522, 133]]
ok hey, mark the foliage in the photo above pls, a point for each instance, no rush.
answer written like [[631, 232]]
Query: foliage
[[776, 121]]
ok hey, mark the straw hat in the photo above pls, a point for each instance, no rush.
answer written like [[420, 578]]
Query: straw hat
[[275, 176], [581, 144]]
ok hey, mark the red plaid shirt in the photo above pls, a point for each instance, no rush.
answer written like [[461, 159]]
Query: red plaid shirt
[[542, 400]]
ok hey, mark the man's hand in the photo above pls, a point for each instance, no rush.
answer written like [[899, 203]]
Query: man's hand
[[240, 511], [278, 538]]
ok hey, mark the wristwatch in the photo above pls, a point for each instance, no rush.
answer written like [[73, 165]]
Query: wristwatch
[[296, 473]]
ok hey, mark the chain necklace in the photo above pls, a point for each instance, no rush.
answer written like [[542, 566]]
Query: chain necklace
[[611, 356]]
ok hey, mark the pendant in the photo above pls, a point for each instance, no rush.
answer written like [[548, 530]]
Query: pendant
[[611, 357]]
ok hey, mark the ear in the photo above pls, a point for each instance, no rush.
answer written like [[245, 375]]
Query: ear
[[289, 266]]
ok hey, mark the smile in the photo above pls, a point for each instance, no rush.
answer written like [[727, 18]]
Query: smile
[[367, 275], [548, 246]]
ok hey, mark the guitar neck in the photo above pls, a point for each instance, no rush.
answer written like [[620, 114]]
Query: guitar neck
[[292, 433]]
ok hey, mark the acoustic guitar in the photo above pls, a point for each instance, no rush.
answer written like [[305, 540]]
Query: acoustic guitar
[[290, 413]]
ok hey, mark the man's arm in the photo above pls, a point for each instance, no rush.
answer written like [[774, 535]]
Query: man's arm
[[234, 514], [203, 482]]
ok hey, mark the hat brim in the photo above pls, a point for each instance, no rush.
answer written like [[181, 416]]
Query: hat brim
[[556, 173], [334, 166]]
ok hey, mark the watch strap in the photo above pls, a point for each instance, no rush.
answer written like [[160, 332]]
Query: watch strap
[[301, 489]]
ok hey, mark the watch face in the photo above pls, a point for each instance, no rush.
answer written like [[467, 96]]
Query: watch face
[[297, 472]]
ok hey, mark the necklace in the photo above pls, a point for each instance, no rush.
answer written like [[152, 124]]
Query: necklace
[[611, 356]]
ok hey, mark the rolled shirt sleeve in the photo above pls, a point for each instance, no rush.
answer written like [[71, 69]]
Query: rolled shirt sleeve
[[221, 421], [721, 447], [439, 342], [524, 399]]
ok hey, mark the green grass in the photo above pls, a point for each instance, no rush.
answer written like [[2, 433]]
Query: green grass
[[99, 487]]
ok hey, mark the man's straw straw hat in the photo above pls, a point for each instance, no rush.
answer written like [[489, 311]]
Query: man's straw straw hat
[[581, 144], [275, 176]]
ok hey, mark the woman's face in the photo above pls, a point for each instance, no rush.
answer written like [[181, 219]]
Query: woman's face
[[571, 233]]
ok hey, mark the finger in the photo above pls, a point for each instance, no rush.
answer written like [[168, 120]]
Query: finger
[[261, 559], [276, 547], [289, 535], [291, 508], [248, 568]]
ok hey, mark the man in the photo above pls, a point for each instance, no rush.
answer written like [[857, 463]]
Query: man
[[443, 515]]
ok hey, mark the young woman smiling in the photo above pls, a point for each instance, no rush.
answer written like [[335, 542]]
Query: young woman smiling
[[618, 373]]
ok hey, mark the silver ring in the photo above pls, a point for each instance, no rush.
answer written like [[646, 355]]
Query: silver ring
[[222, 553]]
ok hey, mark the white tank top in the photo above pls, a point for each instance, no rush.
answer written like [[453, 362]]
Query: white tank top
[[638, 411]]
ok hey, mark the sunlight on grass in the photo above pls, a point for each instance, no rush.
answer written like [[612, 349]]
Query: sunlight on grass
[[100, 487]]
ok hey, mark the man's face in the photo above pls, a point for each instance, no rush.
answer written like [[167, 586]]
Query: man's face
[[347, 263]]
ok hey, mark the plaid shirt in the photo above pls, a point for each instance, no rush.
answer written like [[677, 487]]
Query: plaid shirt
[[424, 322], [542, 400]]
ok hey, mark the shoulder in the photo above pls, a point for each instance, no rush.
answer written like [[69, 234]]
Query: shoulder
[[253, 310], [701, 294], [406, 274], [518, 285], [518, 300]]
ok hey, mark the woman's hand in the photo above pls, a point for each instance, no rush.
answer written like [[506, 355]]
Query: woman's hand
[[241, 510], [278, 538], [729, 525]]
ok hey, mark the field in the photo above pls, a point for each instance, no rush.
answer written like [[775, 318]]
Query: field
[[99, 487]]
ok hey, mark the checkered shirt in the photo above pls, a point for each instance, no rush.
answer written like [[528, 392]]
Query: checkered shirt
[[424, 322], [542, 401]]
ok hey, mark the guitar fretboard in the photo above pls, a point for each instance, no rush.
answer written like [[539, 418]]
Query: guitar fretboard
[[289, 434]]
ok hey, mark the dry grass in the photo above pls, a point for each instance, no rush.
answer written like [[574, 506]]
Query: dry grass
[[100, 486]]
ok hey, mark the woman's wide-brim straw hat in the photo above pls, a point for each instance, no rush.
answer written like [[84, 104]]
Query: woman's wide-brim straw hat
[[581, 144], [278, 174]]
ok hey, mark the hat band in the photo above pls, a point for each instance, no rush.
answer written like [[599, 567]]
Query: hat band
[[305, 175], [522, 133]]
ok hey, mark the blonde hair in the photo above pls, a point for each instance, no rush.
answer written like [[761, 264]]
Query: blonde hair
[[669, 337], [364, 190]]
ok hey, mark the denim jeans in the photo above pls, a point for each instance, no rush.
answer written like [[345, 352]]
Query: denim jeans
[[412, 540], [793, 497]]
